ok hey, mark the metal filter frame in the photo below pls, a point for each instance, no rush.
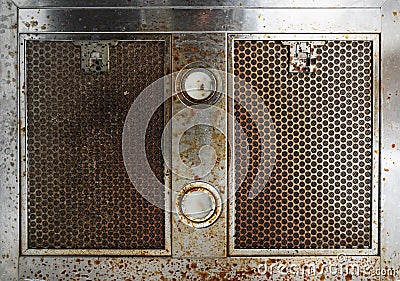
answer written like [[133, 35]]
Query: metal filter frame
[[375, 146], [23, 148]]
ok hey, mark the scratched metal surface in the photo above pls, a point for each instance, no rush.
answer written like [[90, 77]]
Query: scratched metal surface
[[365, 17], [207, 3], [197, 133], [256, 268], [200, 20], [9, 201], [390, 149]]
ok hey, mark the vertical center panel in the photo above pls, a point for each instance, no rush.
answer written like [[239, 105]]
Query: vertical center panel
[[199, 144]]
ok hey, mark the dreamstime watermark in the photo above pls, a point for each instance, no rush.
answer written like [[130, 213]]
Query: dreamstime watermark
[[341, 266], [149, 101]]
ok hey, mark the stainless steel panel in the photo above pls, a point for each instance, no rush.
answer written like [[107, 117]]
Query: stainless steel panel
[[191, 130], [390, 148], [210, 3], [9, 191], [200, 20], [364, 16]]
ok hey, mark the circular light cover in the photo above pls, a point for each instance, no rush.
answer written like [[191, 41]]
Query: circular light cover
[[199, 84], [199, 204]]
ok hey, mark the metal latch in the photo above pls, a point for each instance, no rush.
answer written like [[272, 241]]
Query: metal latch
[[303, 57], [94, 55]]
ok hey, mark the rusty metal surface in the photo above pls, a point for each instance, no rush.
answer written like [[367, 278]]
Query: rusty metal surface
[[203, 20], [319, 192], [197, 132], [275, 20], [202, 3], [9, 201], [210, 212], [390, 150], [98, 269], [79, 195]]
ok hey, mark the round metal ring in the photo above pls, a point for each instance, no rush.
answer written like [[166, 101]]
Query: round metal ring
[[199, 204], [198, 83]]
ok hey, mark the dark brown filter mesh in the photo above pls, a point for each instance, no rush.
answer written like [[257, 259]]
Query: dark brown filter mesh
[[318, 195], [79, 193]]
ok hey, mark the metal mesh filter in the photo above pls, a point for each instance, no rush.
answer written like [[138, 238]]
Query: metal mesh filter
[[79, 194], [318, 193]]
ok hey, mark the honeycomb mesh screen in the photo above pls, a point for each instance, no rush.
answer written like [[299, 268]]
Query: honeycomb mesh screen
[[79, 193], [316, 194]]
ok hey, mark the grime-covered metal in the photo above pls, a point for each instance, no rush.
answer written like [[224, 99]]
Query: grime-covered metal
[[95, 55], [311, 182], [256, 268], [199, 19], [390, 153], [199, 32], [77, 196], [198, 138], [9, 178], [199, 204]]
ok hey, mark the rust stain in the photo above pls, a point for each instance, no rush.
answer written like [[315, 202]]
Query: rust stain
[[395, 13], [247, 271], [203, 275], [97, 262], [348, 277], [393, 145], [322, 278], [386, 170], [384, 179]]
